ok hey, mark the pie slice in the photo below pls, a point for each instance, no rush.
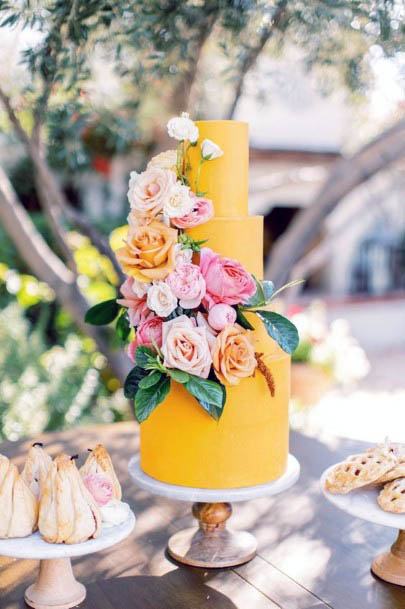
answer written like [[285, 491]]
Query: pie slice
[[392, 497], [36, 468], [359, 470], [18, 505]]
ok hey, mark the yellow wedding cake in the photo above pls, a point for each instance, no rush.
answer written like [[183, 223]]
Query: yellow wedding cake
[[180, 443]]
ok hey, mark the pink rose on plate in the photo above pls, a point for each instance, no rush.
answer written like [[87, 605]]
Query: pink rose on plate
[[134, 301], [148, 334], [149, 190], [187, 284], [226, 280], [186, 347], [100, 488], [202, 211], [221, 315]]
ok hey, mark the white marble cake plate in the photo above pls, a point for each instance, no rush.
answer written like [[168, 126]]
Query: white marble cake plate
[[56, 586], [362, 503], [211, 544]]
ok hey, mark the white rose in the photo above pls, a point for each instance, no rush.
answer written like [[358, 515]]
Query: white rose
[[183, 128], [179, 202], [182, 256], [161, 299], [210, 150], [165, 160]]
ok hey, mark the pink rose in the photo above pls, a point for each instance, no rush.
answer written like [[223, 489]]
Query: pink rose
[[221, 315], [202, 211], [149, 333], [186, 347], [187, 284], [100, 488], [138, 311], [149, 190], [226, 280]]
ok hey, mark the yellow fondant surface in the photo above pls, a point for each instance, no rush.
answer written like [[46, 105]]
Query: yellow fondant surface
[[180, 443]]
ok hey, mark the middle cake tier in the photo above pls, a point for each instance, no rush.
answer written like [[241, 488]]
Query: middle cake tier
[[240, 238]]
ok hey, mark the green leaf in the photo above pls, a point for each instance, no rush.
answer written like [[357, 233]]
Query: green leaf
[[122, 326], [290, 284], [210, 395], [242, 319], [280, 329], [150, 380], [144, 356], [258, 299], [178, 375], [146, 400], [102, 313], [132, 381]]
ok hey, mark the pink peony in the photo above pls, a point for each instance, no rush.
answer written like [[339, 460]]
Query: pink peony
[[188, 285], [202, 211], [138, 310], [149, 333], [186, 347], [226, 280], [100, 488], [221, 315]]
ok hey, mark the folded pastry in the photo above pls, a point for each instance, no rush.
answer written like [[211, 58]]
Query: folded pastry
[[18, 505], [67, 511], [99, 462], [392, 497], [36, 468], [359, 470]]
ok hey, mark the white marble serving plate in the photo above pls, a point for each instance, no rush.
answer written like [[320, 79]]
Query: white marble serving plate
[[362, 503], [33, 547], [185, 493]]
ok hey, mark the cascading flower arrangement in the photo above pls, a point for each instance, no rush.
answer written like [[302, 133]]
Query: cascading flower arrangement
[[182, 307]]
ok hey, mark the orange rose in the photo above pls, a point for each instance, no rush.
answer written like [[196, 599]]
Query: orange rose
[[149, 252], [233, 355]]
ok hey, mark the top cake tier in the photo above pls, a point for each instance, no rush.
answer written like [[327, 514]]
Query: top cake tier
[[224, 180]]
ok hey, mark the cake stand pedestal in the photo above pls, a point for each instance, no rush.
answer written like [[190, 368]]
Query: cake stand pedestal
[[56, 586], [389, 566], [212, 544]]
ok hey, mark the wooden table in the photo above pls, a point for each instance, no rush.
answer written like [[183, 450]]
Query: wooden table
[[310, 556]]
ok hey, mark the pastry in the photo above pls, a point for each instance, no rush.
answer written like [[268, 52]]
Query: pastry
[[67, 511], [360, 470], [99, 462], [18, 505], [392, 497], [36, 468]]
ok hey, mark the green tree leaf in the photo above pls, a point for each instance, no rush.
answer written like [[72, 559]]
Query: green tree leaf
[[132, 381], [178, 375], [280, 329], [146, 400], [210, 395], [150, 380], [242, 319], [102, 313], [122, 326]]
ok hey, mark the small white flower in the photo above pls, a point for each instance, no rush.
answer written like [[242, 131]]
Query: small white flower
[[161, 299], [179, 202], [164, 160], [139, 288], [182, 256], [183, 128], [210, 150]]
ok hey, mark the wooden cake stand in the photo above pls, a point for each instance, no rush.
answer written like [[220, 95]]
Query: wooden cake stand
[[389, 566], [56, 586], [211, 544]]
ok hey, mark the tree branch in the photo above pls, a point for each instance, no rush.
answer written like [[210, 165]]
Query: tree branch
[[346, 175]]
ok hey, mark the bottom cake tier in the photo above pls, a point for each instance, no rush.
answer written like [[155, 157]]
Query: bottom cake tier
[[181, 444]]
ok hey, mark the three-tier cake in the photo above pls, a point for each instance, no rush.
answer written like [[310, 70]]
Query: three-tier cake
[[180, 443]]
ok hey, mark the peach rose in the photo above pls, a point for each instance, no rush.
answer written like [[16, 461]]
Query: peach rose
[[186, 347], [149, 190], [100, 488], [233, 355], [149, 251]]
